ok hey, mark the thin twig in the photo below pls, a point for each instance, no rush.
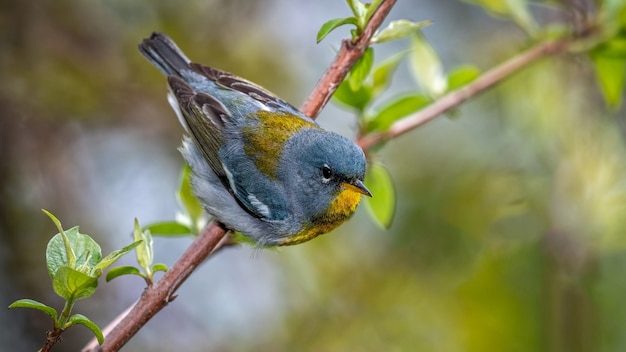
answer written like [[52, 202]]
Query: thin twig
[[93, 344], [347, 56], [156, 297], [212, 237], [455, 98], [52, 338]]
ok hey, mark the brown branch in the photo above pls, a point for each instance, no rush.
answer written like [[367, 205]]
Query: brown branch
[[52, 338], [346, 58], [455, 98], [156, 297]]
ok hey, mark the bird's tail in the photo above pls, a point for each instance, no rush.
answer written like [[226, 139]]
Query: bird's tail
[[163, 53]]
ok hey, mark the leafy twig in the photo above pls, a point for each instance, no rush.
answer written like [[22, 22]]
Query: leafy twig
[[349, 53], [457, 97], [156, 297]]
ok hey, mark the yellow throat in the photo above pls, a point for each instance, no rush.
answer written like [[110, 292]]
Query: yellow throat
[[339, 210]]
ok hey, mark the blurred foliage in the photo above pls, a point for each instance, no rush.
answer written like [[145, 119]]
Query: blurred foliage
[[509, 228]]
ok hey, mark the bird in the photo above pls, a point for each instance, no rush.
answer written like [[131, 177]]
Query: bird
[[259, 166]]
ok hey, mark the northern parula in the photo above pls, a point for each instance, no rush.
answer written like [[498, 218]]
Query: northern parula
[[259, 165]]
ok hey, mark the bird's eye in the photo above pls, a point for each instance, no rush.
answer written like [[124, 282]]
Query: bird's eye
[[327, 173]]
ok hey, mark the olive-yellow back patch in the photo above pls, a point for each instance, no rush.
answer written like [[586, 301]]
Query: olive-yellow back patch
[[264, 142]]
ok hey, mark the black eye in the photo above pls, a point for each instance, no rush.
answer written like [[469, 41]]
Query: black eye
[[327, 173]]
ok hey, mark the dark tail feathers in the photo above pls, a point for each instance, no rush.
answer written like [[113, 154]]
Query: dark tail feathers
[[163, 53]]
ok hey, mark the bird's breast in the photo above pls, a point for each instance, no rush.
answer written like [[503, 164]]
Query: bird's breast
[[339, 210]]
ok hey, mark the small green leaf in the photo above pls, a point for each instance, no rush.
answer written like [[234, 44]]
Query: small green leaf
[[122, 270], [517, 10], [72, 284], [371, 9], [87, 253], [461, 76], [145, 254], [159, 267], [29, 303], [239, 238], [381, 77], [361, 70], [329, 26], [114, 256], [357, 100], [382, 206], [397, 30], [168, 229], [187, 199], [426, 66], [70, 258], [79, 319], [396, 109], [614, 48], [360, 12], [611, 73]]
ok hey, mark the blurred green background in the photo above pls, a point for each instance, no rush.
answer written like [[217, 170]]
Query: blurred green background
[[510, 233]]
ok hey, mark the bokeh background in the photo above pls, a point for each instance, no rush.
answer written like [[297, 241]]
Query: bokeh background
[[510, 231]]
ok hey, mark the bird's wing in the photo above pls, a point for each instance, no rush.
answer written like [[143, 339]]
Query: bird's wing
[[237, 155], [203, 117], [256, 92]]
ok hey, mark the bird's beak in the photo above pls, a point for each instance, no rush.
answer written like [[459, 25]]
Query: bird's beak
[[357, 186]]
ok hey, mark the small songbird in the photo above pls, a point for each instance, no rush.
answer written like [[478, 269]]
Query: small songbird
[[259, 165]]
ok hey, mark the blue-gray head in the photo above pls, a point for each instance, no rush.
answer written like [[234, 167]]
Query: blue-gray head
[[324, 172]]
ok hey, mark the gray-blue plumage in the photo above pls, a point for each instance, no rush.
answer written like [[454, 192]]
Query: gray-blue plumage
[[219, 110]]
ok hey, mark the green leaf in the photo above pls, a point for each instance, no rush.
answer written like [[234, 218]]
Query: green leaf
[[396, 109], [239, 238], [70, 257], [461, 76], [79, 319], [361, 70], [426, 66], [114, 256], [611, 72], [517, 10], [329, 26], [145, 254], [187, 199], [29, 303], [614, 48], [159, 267], [382, 206], [168, 229], [72, 284], [122, 270], [86, 251], [397, 30], [357, 100], [360, 13], [371, 9], [381, 77]]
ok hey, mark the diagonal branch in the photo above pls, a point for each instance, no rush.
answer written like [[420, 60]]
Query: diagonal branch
[[347, 56], [156, 297], [457, 97]]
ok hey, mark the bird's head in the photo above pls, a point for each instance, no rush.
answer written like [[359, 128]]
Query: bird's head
[[324, 172]]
